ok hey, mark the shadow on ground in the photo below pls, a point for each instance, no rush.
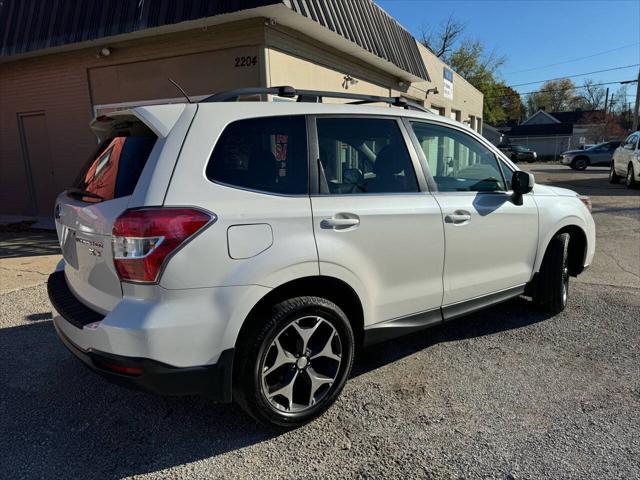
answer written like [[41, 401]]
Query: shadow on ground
[[60, 420], [28, 244]]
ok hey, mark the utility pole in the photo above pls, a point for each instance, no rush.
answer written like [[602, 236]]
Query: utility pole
[[635, 114], [606, 121]]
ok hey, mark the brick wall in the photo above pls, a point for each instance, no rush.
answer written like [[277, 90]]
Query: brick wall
[[57, 84]]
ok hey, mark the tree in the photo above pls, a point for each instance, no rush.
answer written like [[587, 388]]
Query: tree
[[554, 96], [618, 103], [477, 66], [511, 103], [592, 96], [441, 42]]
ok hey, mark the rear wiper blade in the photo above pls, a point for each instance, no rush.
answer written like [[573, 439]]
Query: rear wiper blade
[[83, 193]]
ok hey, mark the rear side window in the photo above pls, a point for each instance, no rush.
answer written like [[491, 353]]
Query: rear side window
[[267, 154], [115, 167]]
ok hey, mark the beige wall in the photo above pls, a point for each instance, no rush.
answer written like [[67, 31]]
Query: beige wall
[[466, 99], [285, 69]]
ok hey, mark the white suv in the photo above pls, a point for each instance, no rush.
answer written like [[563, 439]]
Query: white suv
[[246, 250], [626, 162]]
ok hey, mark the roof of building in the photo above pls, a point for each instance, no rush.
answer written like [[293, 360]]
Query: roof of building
[[545, 116], [579, 116], [572, 117], [32, 25]]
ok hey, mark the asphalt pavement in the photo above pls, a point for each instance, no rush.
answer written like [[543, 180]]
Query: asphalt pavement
[[503, 393]]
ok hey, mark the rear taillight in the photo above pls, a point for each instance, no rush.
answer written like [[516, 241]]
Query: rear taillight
[[144, 238]]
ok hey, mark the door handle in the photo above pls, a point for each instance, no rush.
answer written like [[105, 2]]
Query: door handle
[[458, 217], [340, 223]]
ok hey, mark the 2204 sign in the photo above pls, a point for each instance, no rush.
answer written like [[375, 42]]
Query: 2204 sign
[[247, 61]]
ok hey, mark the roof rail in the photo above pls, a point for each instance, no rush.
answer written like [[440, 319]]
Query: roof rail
[[313, 96]]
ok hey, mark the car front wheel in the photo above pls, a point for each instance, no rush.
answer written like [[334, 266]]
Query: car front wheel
[[551, 285], [580, 163], [292, 366], [630, 181]]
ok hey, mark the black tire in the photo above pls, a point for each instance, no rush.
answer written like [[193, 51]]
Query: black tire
[[256, 348], [580, 163], [551, 288], [630, 180], [613, 176]]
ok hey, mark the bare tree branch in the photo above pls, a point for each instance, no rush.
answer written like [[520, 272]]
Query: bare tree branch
[[441, 42]]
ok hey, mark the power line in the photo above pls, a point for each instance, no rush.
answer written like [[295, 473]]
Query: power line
[[576, 75], [573, 60], [560, 89]]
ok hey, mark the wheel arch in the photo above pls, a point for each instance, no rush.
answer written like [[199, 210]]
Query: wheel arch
[[331, 288], [577, 248]]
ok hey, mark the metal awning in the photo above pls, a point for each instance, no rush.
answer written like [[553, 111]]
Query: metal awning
[[35, 25]]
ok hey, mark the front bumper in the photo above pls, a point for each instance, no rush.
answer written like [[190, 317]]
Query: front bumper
[[213, 381], [566, 160]]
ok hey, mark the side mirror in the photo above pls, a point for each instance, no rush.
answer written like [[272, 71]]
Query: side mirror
[[521, 182]]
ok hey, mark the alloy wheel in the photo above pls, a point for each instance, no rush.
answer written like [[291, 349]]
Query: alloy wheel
[[301, 364]]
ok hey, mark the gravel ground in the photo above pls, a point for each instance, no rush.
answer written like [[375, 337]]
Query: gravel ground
[[504, 393]]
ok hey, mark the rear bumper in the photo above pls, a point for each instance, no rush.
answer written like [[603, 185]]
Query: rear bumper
[[213, 381]]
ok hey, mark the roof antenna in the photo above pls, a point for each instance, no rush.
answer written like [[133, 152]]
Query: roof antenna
[[181, 89]]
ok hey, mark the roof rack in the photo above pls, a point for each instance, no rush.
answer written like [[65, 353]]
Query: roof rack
[[311, 96]]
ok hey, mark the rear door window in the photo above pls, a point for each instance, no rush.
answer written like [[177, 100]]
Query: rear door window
[[266, 154], [114, 169], [364, 155]]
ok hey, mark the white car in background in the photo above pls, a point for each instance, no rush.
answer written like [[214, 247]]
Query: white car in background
[[626, 162]]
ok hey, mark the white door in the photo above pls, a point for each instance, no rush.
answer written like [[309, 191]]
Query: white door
[[490, 241], [375, 224], [625, 154]]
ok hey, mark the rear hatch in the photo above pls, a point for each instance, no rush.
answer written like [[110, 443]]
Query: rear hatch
[[85, 213]]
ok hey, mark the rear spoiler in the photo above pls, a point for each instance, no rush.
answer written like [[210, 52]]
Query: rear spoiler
[[160, 119]]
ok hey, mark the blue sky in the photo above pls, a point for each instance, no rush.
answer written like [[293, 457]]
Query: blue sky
[[536, 33]]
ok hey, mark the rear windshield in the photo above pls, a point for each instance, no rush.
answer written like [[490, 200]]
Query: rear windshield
[[114, 169]]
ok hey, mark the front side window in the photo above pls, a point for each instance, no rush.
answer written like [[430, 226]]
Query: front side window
[[267, 154], [364, 155], [457, 161]]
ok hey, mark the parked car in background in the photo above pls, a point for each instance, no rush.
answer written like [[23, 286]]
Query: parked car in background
[[599, 154], [626, 162], [519, 152]]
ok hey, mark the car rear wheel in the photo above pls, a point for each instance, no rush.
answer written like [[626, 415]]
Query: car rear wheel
[[630, 180], [613, 176], [292, 367], [551, 287], [580, 163]]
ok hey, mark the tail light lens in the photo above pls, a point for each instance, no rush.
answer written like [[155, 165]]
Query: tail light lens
[[144, 238]]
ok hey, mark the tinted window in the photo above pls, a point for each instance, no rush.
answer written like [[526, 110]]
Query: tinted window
[[267, 154], [457, 161], [113, 171], [364, 155]]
